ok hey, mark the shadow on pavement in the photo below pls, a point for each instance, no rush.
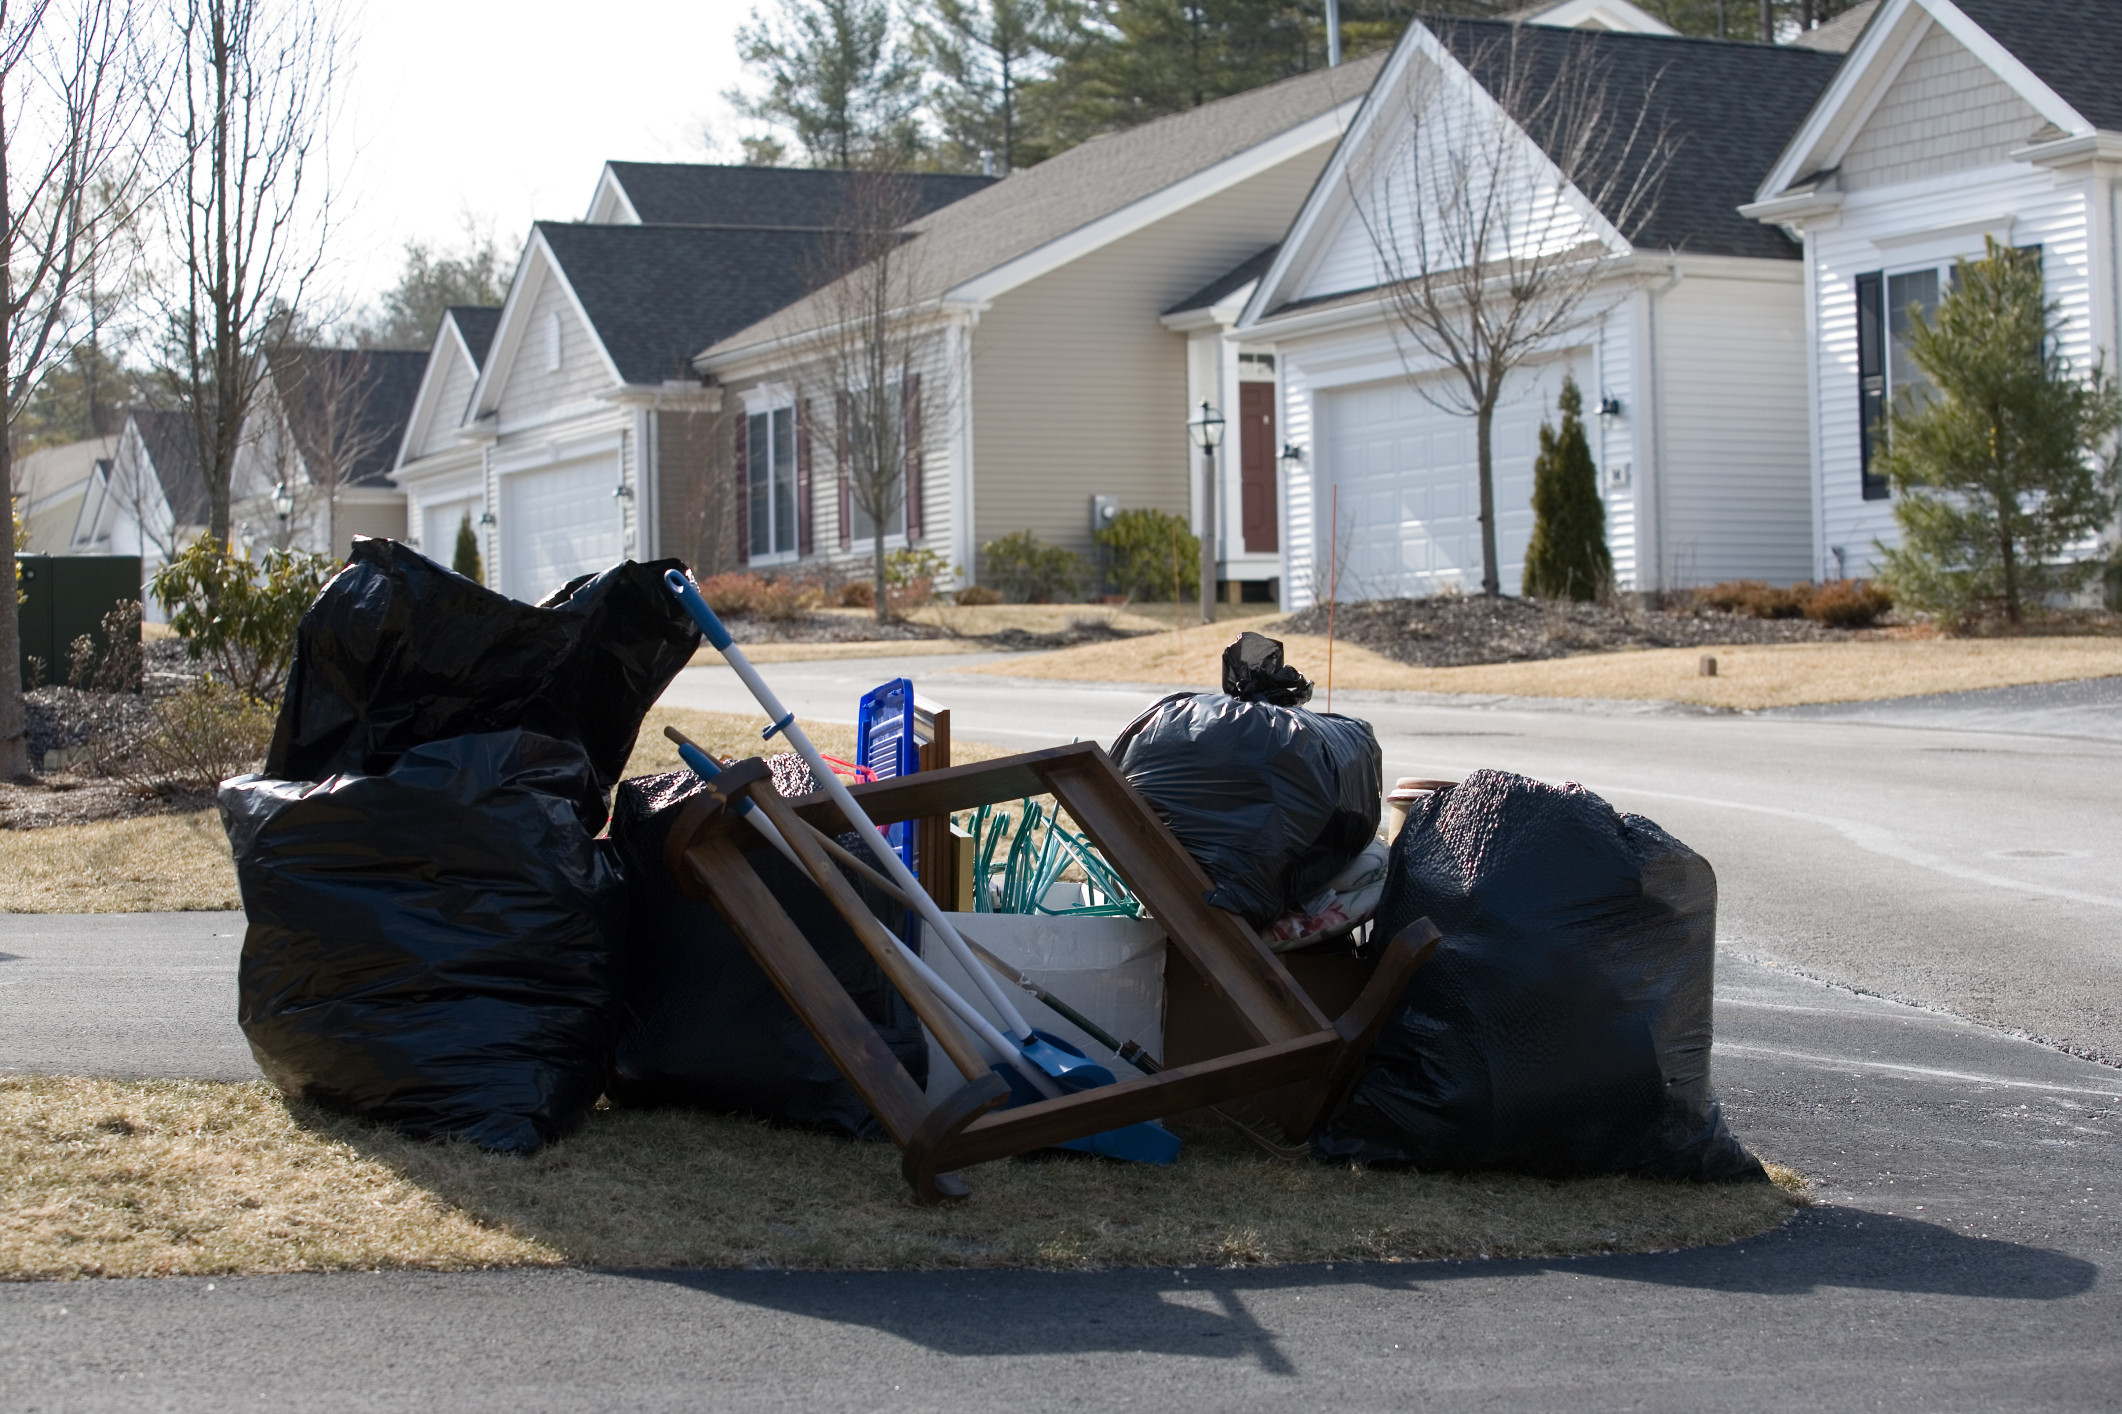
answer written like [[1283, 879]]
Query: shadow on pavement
[[1203, 1311]]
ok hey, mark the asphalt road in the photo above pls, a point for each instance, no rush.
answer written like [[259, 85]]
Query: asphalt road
[[1954, 852]]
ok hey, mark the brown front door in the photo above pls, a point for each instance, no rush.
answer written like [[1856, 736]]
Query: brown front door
[[1256, 467]]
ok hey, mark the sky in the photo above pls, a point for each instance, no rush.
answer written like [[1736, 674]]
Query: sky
[[456, 109]]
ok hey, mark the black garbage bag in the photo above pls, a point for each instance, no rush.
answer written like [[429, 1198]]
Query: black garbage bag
[[431, 948], [705, 1028], [1272, 801], [398, 651], [1563, 1027], [1253, 670]]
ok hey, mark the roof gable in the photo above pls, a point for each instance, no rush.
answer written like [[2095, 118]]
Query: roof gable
[[443, 402], [706, 194], [380, 388], [171, 446], [2001, 35]]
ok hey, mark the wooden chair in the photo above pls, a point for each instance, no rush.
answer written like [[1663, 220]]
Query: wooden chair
[[1291, 1042]]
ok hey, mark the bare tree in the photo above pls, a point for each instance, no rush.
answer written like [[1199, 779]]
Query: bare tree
[[325, 399], [1493, 208], [869, 365], [68, 116], [249, 206], [699, 484]]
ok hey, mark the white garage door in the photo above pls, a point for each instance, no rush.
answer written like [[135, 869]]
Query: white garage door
[[1410, 493], [558, 522]]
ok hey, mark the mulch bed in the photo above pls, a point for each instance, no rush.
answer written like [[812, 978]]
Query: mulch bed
[[823, 628], [64, 719], [1453, 632]]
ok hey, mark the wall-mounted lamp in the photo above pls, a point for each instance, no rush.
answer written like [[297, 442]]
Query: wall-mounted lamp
[[283, 502], [622, 492], [487, 518], [1291, 458], [1609, 406]]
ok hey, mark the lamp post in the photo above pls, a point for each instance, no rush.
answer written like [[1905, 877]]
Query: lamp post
[[283, 506], [1207, 432]]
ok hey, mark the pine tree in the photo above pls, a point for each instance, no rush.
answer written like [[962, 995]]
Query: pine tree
[[1998, 475], [1567, 558], [984, 52], [466, 559], [841, 75]]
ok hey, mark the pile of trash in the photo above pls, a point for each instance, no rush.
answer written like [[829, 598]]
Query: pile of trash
[[443, 937]]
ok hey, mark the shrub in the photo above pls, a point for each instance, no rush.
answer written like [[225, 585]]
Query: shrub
[[787, 598], [976, 594], [858, 594], [1139, 547], [1755, 598], [464, 559], [240, 614], [116, 667], [1848, 603], [1567, 557], [191, 741], [1027, 570], [904, 568], [730, 593]]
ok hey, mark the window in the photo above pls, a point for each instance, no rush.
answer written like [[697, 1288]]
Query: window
[[1887, 377], [872, 429], [552, 341], [770, 481]]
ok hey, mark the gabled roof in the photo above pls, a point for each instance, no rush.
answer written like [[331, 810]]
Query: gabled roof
[[172, 447], [1229, 282], [2058, 55], [1727, 106], [382, 384], [476, 322], [702, 194], [2073, 46], [1037, 207], [1591, 14], [657, 295], [1840, 34]]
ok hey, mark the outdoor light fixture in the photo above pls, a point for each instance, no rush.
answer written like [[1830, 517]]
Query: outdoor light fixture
[[1207, 429], [487, 518], [283, 502], [1292, 458], [1609, 406], [1207, 432], [622, 492]]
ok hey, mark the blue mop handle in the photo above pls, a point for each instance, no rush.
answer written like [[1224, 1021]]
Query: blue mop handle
[[681, 584]]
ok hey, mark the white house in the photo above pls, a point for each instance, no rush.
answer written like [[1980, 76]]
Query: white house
[[321, 437], [147, 499], [1692, 352], [570, 423], [1950, 122]]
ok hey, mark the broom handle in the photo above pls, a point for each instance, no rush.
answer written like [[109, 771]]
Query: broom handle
[[836, 791]]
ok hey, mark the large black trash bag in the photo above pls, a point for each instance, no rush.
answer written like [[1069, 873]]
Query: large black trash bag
[[1563, 1027], [398, 651], [1272, 801], [705, 1028], [432, 948]]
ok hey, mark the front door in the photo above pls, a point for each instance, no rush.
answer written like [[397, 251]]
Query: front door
[[1256, 468]]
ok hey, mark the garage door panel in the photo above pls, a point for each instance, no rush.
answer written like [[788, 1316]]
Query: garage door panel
[[1412, 468], [558, 522]]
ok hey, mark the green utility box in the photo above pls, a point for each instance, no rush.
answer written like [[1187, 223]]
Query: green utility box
[[65, 597]]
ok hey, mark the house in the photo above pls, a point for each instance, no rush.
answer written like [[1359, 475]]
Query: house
[[1951, 122], [50, 485], [1045, 378], [569, 423], [1690, 350], [322, 435], [149, 499]]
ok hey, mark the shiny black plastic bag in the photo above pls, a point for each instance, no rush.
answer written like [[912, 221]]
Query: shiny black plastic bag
[[398, 651], [1254, 671], [1271, 801], [705, 1028], [1563, 1027], [431, 948]]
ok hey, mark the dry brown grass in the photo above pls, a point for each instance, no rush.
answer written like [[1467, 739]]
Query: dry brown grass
[[1748, 677], [151, 864], [707, 657], [139, 1178]]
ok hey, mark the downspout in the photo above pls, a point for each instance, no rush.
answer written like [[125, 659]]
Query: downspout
[[1333, 34], [1654, 483]]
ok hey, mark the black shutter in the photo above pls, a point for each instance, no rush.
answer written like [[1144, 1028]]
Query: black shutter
[[1871, 380]]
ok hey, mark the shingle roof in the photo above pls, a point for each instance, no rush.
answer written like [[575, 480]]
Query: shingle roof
[[384, 384], [700, 194], [657, 295], [1728, 108], [1037, 205], [476, 322], [1230, 281], [2073, 46], [172, 446], [1840, 34]]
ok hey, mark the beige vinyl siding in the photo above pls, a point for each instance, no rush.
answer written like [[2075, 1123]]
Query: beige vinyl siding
[[452, 399], [533, 389], [1735, 473], [1078, 390], [1946, 111]]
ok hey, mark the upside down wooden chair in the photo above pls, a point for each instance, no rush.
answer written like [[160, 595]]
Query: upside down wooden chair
[[1299, 1062]]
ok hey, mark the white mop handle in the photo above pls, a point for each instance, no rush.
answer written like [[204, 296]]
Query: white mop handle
[[784, 721]]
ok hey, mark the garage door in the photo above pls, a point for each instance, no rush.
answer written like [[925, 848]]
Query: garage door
[[1410, 493], [558, 522], [438, 527]]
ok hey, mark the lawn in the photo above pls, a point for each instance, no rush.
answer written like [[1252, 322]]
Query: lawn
[[183, 1177]]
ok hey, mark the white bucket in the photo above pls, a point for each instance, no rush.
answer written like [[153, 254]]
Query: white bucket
[[1110, 969]]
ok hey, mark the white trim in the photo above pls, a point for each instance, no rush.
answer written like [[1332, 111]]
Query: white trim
[[537, 265], [1615, 16], [1871, 68], [610, 199], [558, 450], [1291, 142]]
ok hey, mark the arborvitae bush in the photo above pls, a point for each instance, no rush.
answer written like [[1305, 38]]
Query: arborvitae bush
[[1567, 558], [466, 559]]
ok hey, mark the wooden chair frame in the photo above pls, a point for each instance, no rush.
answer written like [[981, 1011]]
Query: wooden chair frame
[[1293, 1042]]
